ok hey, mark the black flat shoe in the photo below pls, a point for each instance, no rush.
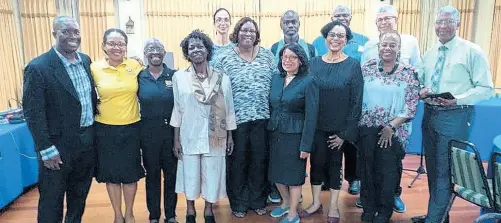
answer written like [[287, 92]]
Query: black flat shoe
[[190, 219], [418, 219], [210, 219]]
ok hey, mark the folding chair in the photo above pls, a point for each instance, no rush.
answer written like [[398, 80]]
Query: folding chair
[[468, 178]]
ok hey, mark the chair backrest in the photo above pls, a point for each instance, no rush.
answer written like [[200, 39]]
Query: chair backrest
[[468, 172], [488, 217], [496, 181]]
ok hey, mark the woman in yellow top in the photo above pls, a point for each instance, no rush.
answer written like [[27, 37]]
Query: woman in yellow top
[[117, 130]]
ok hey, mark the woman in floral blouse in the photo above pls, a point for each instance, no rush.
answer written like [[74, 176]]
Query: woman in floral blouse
[[389, 103]]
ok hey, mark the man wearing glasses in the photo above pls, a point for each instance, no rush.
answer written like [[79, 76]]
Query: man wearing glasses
[[354, 47], [461, 68], [386, 20]]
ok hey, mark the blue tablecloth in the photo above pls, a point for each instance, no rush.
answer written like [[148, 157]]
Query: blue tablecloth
[[485, 126], [18, 163]]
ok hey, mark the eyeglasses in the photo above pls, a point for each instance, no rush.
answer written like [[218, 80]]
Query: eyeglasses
[[154, 49], [445, 22], [221, 20], [390, 45], [70, 31], [249, 31], [289, 58], [116, 44], [386, 19], [338, 35], [337, 16]]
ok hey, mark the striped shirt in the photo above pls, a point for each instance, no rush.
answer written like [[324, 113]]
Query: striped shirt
[[81, 83], [250, 82]]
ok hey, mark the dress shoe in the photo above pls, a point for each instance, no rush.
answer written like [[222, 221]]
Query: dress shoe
[[354, 187], [398, 205], [210, 219], [418, 219], [305, 214], [422, 219], [332, 220]]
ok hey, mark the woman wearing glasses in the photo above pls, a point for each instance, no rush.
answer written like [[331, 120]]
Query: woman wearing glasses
[[156, 99], [250, 68], [340, 85], [117, 124], [294, 107], [222, 23]]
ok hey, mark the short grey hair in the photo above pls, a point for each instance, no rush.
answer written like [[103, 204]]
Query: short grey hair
[[449, 9], [388, 9], [153, 40], [343, 8]]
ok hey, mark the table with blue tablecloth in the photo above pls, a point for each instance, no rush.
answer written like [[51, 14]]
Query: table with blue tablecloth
[[18, 162], [486, 125]]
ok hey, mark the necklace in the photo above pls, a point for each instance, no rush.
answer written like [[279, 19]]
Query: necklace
[[334, 59], [240, 53], [201, 76]]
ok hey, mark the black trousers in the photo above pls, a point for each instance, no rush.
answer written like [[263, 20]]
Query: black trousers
[[73, 180], [323, 157], [398, 188], [378, 173], [247, 182], [350, 162], [156, 144]]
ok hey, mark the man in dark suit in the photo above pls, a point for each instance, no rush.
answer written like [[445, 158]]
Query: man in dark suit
[[59, 106]]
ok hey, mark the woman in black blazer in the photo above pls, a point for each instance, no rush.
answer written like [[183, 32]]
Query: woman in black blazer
[[294, 107]]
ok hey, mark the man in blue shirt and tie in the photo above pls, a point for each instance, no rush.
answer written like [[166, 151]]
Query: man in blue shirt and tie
[[354, 47]]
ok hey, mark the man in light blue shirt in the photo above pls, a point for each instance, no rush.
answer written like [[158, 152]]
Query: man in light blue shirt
[[461, 68], [354, 47], [387, 20]]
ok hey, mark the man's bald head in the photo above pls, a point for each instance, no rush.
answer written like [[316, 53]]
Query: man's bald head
[[66, 31], [61, 20], [290, 24]]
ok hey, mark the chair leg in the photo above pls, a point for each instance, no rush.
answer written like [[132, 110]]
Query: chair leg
[[449, 207]]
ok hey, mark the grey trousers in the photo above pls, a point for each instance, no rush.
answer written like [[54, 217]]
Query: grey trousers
[[439, 127]]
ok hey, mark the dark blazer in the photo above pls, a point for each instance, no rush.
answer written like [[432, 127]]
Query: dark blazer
[[294, 108], [51, 105]]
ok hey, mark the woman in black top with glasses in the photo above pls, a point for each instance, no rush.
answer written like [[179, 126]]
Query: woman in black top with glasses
[[157, 100]]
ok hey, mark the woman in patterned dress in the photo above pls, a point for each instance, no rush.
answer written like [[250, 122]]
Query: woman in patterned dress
[[250, 68]]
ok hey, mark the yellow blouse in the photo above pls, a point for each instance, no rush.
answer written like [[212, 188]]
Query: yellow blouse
[[117, 90]]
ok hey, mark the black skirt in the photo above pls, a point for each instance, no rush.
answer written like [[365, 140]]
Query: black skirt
[[118, 153], [285, 165]]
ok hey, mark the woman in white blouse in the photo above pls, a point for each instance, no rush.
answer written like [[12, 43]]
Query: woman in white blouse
[[202, 118]]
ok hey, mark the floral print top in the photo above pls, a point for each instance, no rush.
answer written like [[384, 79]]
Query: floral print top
[[389, 96]]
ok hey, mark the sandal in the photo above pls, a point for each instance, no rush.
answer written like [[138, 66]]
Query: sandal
[[260, 211], [210, 219], [239, 214]]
